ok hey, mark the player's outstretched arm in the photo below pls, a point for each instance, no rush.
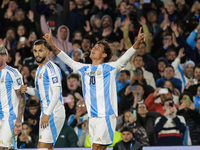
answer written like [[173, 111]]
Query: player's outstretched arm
[[48, 38], [21, 107], [140, 39]]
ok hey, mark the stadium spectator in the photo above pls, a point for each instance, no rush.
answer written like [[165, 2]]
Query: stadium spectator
[[188, 111], [127, 141], [76, 120], [138, 62], [172, 123], [67, 137], [158, 106], [169, 75], [26, 139], [146, 121]]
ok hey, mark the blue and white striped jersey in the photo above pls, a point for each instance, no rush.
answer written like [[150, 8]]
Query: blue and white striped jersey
[[10, 80], [47, 77], [99, 83]]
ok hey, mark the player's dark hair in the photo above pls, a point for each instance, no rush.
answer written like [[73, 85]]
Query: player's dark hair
[[107, 49], [41, 41]]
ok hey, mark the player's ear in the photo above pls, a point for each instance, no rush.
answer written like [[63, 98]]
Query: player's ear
[[104, 55]]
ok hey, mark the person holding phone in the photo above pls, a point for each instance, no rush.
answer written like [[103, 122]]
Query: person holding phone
[[132, 93], [26, 139], [191, 115], [153, 102], [170, 127], [70, 104], [75, 120]]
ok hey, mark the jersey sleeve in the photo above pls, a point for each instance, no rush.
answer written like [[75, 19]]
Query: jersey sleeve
[[17, 80], [123, 60], [70, 62], [54, 76]]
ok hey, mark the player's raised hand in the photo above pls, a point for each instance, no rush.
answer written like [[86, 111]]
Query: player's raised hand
[[48, 37], [140, 37], [23, 88]]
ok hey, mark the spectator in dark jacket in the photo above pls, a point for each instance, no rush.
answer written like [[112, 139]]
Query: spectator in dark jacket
[[67, 137], [191, 115], [127, 141], [146, 119]]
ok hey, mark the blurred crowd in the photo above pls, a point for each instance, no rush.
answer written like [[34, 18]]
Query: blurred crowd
[[158, 90]]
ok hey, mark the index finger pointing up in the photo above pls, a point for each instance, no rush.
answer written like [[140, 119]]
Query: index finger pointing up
[[140, 31], [50, 31]]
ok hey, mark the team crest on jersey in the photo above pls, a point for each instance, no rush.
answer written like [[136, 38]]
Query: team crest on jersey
[[99, 72], [2, 79], [19, 81], [55, 80]]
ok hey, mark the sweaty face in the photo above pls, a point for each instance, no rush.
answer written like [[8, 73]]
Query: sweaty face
[[40, 53]]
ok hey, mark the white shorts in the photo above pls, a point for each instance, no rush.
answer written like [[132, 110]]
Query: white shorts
[[52, 131], [7, 138], [102, 129]]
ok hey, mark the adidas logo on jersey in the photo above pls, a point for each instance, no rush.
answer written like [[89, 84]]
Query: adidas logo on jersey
[[1, 142], [98, 139]]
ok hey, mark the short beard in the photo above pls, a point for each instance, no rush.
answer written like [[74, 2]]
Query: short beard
[[40, 60]]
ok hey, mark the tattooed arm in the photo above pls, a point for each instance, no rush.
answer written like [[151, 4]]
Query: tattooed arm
[[21, 107]]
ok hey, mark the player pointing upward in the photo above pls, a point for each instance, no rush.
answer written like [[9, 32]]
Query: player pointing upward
[[99, 87]]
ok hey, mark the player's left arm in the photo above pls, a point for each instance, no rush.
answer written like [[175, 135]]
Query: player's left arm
[[21, 107], [123, 60], [17, 82]]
